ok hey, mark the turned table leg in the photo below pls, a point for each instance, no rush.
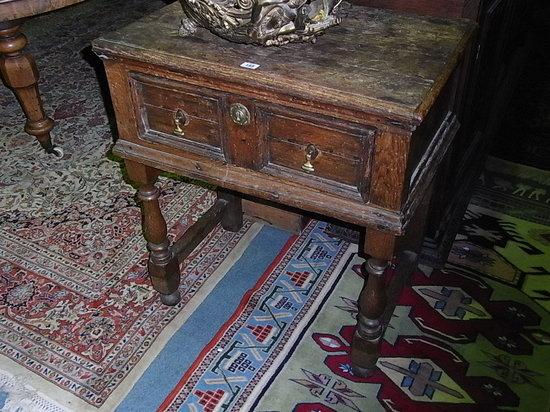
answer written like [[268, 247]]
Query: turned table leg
[[20, 74], [370, 329], [163, 266], [378, 297], [372, 302]]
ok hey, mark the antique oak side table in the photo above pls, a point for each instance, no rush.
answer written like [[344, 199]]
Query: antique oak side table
[[18, 69], [352, 127]]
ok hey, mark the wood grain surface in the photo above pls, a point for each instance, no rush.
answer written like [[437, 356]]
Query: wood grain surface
[[18, 9], [403, 61]]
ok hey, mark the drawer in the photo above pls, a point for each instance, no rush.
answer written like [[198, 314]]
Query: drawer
[[177, 117], [338, 153]]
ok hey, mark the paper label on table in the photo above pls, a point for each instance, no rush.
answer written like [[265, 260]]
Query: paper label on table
[[251, 66]]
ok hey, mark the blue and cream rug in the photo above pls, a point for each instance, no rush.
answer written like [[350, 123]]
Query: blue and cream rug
[[455, 342]]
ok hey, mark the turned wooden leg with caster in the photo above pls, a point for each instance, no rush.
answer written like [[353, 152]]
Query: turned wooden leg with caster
[[20, 74], [164, 259]]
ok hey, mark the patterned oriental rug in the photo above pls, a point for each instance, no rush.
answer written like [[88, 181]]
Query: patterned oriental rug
[[457, 341], [505, 233], [79, 320], [79, 323]]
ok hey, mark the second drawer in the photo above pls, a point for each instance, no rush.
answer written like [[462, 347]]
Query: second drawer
[[316, 151]]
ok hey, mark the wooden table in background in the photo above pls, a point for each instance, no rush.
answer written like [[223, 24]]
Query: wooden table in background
[[352, 127], [18, 69]]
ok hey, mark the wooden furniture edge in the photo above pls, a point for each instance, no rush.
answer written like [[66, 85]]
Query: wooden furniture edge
[[275, 215], [407, 117], [461, 47], [429, 165], [230, 177], [436, 250]]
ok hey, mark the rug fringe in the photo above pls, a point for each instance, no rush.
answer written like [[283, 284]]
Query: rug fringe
[[24, 398]]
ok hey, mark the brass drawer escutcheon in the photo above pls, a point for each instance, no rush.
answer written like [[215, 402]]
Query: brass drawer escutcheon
[[311, 155], [181, 119], [239, 114]]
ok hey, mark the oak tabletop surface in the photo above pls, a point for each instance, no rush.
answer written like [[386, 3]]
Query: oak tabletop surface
[[375, 59]]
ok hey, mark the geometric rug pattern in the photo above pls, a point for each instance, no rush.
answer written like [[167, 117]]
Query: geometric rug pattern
[[250, 342], [455, 342], [505, 233]]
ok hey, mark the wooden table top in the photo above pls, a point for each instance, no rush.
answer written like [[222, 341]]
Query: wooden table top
[[18, 9], [375, 60]]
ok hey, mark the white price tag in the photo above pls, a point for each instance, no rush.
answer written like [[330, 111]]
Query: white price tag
[[251, 66]]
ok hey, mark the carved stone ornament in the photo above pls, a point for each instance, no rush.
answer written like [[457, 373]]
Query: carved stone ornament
[[264, 22]]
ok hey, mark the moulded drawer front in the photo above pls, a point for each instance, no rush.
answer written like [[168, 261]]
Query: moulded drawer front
[[332, 151], [327, 137], [176, 117], [192, 128], [324, 165]]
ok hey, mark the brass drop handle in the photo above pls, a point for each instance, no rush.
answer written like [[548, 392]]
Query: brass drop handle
[[239, 114], [181, 119], [311, 155]]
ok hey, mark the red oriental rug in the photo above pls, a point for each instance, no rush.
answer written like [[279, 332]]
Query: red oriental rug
[[79, 321], [76, 306]]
